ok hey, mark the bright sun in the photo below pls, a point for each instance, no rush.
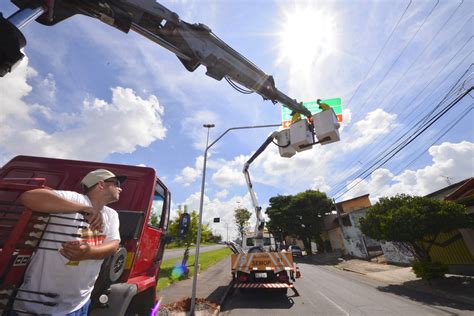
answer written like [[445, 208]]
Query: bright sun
[[308, 35]]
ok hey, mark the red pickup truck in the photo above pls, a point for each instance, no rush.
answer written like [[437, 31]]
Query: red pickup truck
[[127, 281]]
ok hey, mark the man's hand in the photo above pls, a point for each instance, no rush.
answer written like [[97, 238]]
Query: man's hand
[[75, 250], [94, 218]]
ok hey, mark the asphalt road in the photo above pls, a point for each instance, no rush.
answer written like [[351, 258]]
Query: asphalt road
[[325, 290], [178, 253]]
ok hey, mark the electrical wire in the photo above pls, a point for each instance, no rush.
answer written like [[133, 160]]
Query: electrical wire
[[380, 53], [397, 59], [387, 150], [410, 67], [236, 87], [385, 140], [412, 137], [451, 125]]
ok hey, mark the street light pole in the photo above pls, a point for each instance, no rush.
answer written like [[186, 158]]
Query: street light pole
[[198, 240]]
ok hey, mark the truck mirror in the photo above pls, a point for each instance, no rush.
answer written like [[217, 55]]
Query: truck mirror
[[184, 222]]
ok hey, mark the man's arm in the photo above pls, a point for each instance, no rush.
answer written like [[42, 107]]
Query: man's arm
[[46, 201], [77, 251]]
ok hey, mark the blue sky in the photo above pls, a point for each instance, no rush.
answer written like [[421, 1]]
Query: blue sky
[[88, 91]]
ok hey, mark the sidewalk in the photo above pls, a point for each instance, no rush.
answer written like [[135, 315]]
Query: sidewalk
[[454, 287], [211, 286]]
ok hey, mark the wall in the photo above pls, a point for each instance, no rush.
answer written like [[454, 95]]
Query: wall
[[354, 244], [354, 204], [396, 253], [335, 237]]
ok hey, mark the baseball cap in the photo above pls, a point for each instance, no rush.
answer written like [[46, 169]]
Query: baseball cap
[[93, 177]]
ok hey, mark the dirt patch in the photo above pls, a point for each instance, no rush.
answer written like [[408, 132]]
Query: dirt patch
[[204, 306]]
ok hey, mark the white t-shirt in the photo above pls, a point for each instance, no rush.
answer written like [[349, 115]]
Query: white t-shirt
[[50, 272]]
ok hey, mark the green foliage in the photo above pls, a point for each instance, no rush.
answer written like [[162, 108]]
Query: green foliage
[[414, 220], [300, 215], [429, 270], [206, 233], [241, 219], [154, 220]]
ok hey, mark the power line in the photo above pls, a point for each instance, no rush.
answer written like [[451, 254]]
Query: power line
[[450, 125], [388, 150], [411, 102], [380, 53], [398, 57], [426, 47], [406, 142]]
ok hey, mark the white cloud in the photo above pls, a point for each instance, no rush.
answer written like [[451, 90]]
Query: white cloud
[[376, 124], [227, 176], [192, 126], [222, 194], [188, 175], [452, 160], [13, 87], [222, 209], [97, 130]]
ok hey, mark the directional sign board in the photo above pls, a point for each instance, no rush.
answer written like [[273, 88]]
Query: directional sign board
[[313, 107]]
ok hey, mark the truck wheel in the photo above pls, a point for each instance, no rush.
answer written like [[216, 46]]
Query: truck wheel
[[117, 264]]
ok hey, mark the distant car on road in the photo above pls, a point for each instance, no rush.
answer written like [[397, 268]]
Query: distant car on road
[[296, 251]]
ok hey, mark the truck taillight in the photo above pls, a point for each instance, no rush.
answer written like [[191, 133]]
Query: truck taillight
[[243, 277]]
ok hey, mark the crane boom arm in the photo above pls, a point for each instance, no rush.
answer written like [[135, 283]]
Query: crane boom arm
[[260, 223], [193, 44]]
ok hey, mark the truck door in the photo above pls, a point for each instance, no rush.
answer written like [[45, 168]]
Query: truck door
[[151, 248]]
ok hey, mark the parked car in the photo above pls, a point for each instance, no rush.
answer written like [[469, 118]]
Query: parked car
[[296, 251]]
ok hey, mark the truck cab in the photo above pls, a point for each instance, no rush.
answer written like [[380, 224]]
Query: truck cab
[[127, 281], [268, 242]]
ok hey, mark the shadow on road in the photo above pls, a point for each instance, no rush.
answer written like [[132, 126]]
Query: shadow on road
[[329, 259], [452, 292], [217, 294], [257, 299]]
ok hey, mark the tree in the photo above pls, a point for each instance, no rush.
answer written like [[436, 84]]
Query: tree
[[191, 236], [415, 221], [309, 208], [279, 216], [300, 216], [241, 218]]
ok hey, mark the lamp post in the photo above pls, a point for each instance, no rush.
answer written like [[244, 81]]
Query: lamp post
[[198, 241]]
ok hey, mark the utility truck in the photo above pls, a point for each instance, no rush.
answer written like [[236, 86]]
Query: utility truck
[[257, 267], [194, 45]]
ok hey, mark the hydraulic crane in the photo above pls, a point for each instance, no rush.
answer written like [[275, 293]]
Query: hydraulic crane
[[193, 44]]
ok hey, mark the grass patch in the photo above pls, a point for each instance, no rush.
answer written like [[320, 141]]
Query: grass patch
[[206, 259], [174, 246]]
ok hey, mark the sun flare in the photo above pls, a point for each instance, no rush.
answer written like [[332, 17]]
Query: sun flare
[[308, 35]]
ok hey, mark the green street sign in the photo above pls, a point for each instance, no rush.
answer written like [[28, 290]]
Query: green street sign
[[313, 107]]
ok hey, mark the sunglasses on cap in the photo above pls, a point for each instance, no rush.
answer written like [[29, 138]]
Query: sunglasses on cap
[[115, 181]]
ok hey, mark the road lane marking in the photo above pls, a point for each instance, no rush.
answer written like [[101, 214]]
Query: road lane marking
[[334, 303]]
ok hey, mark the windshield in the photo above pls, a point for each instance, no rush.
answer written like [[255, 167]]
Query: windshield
[[251, 241]]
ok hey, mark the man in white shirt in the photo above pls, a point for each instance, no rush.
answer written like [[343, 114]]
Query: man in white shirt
[[83, 242]]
